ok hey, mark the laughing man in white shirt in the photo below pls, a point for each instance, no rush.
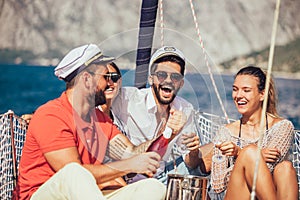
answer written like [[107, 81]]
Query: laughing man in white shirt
[[145, 113]]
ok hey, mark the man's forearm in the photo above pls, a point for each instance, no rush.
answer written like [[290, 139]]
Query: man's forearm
[[201, 157], [142, 147], [120, 148], [206, 153], [108, 171]]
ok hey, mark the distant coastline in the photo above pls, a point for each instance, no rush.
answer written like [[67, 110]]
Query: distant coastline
[[286, 61], [24, 88], [230, 72]]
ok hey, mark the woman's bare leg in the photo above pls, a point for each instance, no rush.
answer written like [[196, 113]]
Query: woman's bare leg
[[241, 179], [285, 180]]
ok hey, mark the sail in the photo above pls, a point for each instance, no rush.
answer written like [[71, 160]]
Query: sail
[[146, 31]]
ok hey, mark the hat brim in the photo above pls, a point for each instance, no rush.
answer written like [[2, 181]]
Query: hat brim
[[98, 60]]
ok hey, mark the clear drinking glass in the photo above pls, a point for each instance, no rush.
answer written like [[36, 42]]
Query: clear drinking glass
[[220, 137], [182, 145], [220, 162]]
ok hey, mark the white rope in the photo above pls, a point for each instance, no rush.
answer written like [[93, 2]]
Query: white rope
[[206, 61], [264, 108], [161, 20]]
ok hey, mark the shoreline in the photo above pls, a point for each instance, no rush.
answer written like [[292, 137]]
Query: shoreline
[[275, 74]]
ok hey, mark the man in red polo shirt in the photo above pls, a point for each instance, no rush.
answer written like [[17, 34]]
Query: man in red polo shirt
[[68, 138]]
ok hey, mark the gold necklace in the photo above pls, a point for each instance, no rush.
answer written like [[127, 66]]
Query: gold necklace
[[251, 124], [251, 128]]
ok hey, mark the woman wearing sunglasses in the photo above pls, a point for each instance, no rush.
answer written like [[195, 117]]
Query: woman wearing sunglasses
[[114, 85]]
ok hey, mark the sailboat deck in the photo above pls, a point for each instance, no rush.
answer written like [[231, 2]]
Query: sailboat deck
[[13, 131]]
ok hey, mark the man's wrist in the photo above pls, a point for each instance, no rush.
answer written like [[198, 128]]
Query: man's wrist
[[194, 153]]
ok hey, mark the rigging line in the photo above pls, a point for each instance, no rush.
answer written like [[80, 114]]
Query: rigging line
[[13, 149], [161, 20], [261, 128], [206, 61]]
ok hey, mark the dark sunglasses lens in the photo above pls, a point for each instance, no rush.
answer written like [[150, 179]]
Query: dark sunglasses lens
[[161, 75], [176, 77], [106, 76], [115, 77]]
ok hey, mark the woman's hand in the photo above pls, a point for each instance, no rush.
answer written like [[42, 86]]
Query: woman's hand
[[229, 148], [270, 155]]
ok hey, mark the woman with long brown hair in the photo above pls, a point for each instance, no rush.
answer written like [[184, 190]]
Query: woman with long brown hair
[[276, 178]]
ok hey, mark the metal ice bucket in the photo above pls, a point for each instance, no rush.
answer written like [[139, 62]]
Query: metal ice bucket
[[186, 187]]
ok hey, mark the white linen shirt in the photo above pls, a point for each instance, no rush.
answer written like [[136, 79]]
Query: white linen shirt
[[135, 111]]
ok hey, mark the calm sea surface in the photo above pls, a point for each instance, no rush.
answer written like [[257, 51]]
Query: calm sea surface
[[25, 88]]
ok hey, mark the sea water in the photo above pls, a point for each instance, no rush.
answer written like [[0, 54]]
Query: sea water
[[24, 88]]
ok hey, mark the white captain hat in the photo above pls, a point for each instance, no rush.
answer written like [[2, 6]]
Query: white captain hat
[[78, 59]]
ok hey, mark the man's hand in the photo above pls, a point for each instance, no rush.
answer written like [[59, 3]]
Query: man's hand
[[27, 117], [145, 163], [176, 120], [191, 141]]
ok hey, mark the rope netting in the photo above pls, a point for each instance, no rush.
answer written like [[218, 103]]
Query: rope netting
[[13, 131], [295, 155], [207, 125]]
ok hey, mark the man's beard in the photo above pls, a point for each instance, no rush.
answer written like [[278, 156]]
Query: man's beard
[[156, 89], [99, 98]]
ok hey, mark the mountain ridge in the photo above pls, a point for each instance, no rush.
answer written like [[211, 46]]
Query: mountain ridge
[[43, 31]]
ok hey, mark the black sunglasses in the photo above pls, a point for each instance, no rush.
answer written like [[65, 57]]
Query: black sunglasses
[[114, 76], [162, 75]]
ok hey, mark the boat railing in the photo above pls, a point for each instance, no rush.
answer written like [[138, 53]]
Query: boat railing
[[13, 131]]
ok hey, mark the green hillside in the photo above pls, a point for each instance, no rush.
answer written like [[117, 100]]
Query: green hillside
[[286, 58]]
